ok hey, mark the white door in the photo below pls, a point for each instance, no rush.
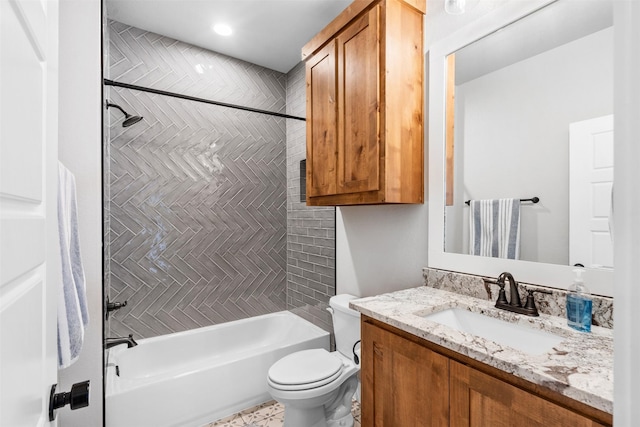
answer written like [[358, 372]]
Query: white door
[[590, 186], [29, 266]]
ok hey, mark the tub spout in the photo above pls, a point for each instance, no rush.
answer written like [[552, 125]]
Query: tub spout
[[129, 341]]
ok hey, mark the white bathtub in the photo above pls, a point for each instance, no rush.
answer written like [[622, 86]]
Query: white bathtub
[[195, 377]]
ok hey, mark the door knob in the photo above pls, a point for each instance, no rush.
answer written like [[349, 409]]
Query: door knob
[[77, 398]]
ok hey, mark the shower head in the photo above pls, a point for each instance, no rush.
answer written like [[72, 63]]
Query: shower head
[[131, 120], [128, 118]]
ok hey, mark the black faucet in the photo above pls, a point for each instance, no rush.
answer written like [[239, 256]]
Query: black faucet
[[111, 342], [514, 304], [514, 295]]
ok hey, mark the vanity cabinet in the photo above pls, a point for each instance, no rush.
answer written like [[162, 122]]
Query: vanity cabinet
[[364, 76], [478, 400], [408, 381], [403, 383]]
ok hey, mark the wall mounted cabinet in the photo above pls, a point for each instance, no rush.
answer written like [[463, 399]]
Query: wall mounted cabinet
[[364, 75], [410, 382]]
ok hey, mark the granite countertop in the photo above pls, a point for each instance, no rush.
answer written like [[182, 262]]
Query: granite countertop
[[580, 367]]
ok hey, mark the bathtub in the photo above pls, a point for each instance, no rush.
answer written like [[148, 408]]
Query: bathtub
[[198, 376]]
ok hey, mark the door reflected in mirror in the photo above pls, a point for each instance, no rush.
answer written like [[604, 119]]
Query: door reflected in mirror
[[529, 113]]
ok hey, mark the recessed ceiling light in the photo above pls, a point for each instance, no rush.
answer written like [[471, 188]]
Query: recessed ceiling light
[[222, 29]]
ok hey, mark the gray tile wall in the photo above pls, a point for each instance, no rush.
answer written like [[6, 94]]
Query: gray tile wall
[[196, 201], [148, 59], [310, 230]]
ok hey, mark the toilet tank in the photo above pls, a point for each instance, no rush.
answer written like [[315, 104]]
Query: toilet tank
[[346, 324]]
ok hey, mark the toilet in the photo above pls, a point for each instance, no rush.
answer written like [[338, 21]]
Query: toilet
[[316, 386]]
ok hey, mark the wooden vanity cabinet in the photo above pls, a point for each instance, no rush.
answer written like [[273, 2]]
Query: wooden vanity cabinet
[[364, 75], [403, 384], [480, 400], [408, 381]]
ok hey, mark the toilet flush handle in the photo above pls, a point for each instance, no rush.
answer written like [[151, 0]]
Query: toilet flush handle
[[330, 310]]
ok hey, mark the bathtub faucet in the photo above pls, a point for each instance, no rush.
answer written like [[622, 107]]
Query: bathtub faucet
[[129, 341]]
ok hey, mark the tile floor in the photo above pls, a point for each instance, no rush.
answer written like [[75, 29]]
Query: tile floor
[[269, 414]]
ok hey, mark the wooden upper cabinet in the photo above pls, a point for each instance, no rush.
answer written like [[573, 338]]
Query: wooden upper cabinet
[[322, 103], [364, 75], [358, 123]]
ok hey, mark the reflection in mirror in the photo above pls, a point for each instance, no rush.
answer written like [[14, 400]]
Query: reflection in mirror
[[528, 113]]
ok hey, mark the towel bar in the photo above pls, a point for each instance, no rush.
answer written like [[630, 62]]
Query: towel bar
[[533, 199]]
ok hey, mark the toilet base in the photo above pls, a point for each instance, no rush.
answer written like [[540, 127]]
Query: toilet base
[[336, 413], [314, 418], [346, 421], [307, 417]]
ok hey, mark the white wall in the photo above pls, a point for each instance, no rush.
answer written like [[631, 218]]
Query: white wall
[[627, 213], [513, 137], [80, 127], [380, 248]]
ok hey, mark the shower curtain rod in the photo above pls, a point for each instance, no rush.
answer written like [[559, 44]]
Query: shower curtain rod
[[108, 82]]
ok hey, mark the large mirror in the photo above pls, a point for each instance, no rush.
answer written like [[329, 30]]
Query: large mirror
[[521, 108]]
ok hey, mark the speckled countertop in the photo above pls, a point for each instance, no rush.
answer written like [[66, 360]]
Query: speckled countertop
[[579, 367]]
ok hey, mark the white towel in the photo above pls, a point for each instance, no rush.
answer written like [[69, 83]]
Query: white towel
[[73, 315], [495, 228]]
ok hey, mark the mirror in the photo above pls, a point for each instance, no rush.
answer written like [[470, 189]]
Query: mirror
[[521, 107]]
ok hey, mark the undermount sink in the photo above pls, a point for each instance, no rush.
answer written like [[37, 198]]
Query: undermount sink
[[520, 337]]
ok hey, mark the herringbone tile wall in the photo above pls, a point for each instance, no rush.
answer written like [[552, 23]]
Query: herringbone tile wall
[[196, 201], [148, 59], [310, 230]]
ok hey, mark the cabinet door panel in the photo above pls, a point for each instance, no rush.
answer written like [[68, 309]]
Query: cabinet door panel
[[403, 102], [479, 400], [358, 104], [404, 384], [322, 122]]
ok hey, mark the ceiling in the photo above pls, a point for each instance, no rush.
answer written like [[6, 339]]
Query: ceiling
[[269, 33], [549, 27]]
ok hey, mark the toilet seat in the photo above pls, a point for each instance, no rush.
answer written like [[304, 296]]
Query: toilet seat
[[304, 370]]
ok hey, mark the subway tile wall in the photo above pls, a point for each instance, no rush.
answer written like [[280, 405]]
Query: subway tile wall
[[196, 199], [310, 230]]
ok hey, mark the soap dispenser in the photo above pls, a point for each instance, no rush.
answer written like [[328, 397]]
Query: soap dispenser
[[579, 304]]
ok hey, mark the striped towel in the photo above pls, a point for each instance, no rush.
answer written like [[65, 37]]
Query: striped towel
[[494, 227]]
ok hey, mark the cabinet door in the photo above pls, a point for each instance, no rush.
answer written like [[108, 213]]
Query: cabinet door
[[479, 400], [358, 105], [403, 383], [322, 122]]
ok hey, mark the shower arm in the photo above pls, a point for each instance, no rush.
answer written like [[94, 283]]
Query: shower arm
[[126, 115]]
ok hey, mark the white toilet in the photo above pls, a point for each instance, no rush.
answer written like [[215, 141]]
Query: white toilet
[[316, 386]]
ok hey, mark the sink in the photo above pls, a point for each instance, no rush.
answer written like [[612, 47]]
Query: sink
[[520, 337]]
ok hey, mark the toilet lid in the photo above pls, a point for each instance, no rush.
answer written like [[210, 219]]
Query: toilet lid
[[308, 368]]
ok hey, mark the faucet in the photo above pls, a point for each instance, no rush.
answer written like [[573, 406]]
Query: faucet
[[514, 304], [111, 342], [514, 296]]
